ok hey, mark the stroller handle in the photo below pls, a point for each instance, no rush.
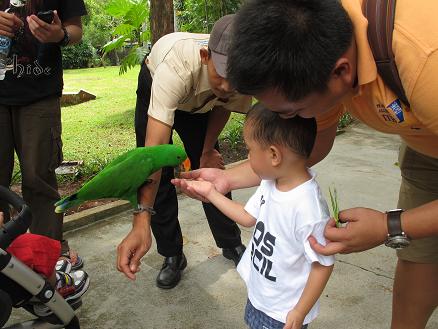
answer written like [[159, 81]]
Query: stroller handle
[[17, 226]]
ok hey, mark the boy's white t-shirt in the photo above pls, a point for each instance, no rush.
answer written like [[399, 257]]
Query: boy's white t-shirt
[[277, 261]]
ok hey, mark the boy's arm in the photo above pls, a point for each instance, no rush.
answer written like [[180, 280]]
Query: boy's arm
[[232, 209], [316, 283]]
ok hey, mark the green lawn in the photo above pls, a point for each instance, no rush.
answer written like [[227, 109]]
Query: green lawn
[[99, 130]]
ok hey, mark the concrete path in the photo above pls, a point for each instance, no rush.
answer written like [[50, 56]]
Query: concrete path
[[211, 294]]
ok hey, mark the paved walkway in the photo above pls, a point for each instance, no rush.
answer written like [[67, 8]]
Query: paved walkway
[[211, 294]]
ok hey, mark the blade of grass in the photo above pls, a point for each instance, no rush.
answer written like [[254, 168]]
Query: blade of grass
[[335, 205]]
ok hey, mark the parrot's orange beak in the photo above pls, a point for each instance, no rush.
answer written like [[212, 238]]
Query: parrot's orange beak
[[186, 165], [183, 167]]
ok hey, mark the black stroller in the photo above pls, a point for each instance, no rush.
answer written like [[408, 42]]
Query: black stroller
[[22, 287]]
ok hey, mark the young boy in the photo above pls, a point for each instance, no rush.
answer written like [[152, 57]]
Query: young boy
[[284, 276]]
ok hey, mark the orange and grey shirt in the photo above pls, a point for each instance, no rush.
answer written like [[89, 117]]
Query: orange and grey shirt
[[415, 47], [180, 80]]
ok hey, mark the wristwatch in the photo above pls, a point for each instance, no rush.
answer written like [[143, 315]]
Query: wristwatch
[[66, 40], [396, 239]]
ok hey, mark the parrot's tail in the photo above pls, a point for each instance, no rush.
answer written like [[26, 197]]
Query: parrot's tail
[[68, 202]]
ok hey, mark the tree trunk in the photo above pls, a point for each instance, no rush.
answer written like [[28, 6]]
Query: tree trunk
[[161, 18]]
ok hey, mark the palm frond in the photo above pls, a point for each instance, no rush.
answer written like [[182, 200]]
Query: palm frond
[[134, 57], [138, 14]]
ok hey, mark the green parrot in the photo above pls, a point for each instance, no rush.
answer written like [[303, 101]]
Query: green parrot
[[122, 177]]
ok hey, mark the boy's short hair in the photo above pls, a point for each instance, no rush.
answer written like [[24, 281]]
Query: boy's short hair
[[268, 128], [287, 45]]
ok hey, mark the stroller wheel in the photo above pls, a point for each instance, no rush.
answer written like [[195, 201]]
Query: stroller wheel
[[52, 318], [5, 308]]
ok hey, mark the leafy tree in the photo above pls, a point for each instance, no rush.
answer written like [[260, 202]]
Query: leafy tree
[[199, 16], [95, 35], [129, 33], [97, 23]]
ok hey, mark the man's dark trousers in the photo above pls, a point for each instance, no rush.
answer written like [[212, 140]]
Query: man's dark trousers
[[191, 128]]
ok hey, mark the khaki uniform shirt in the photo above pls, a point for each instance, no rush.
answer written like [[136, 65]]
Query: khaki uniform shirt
[[415, 45], [180, 80]]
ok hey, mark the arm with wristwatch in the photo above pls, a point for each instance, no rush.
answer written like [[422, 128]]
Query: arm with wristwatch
[[138, 241], [68, 32], [368, 228]]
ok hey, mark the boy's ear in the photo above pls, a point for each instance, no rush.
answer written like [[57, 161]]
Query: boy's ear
[[275, 155], [204, 55]]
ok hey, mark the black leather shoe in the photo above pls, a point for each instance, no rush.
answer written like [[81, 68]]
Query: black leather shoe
[[170, 273], [234, 253]]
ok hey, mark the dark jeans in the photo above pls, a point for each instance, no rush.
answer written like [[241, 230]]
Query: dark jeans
[[34, 132], [256, 319], [191, 128]]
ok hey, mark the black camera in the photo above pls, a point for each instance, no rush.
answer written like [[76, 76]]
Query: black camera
[[46, 16]]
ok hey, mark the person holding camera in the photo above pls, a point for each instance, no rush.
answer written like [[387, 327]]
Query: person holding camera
[[30, 111]]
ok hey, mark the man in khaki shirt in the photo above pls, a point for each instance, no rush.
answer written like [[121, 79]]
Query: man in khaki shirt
[[182, 87], [312, 58]]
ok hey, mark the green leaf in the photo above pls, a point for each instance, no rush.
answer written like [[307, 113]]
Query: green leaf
[[123, 30], [118, 8], [114, 44]]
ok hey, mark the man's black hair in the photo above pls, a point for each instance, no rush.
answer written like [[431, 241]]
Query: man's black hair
[[268, 128], [287, 45]]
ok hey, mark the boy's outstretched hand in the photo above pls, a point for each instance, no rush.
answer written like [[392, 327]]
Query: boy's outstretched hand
[[199, 187], [213, 175], [294, 320]]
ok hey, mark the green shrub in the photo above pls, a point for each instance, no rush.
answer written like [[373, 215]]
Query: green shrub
[[233, 131], [78, 56]]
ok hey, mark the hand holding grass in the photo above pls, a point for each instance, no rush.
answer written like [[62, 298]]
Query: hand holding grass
[[366, 229]]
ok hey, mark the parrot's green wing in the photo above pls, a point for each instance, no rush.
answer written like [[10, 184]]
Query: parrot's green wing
[[119, 181], [122, 158], [122, 177]]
